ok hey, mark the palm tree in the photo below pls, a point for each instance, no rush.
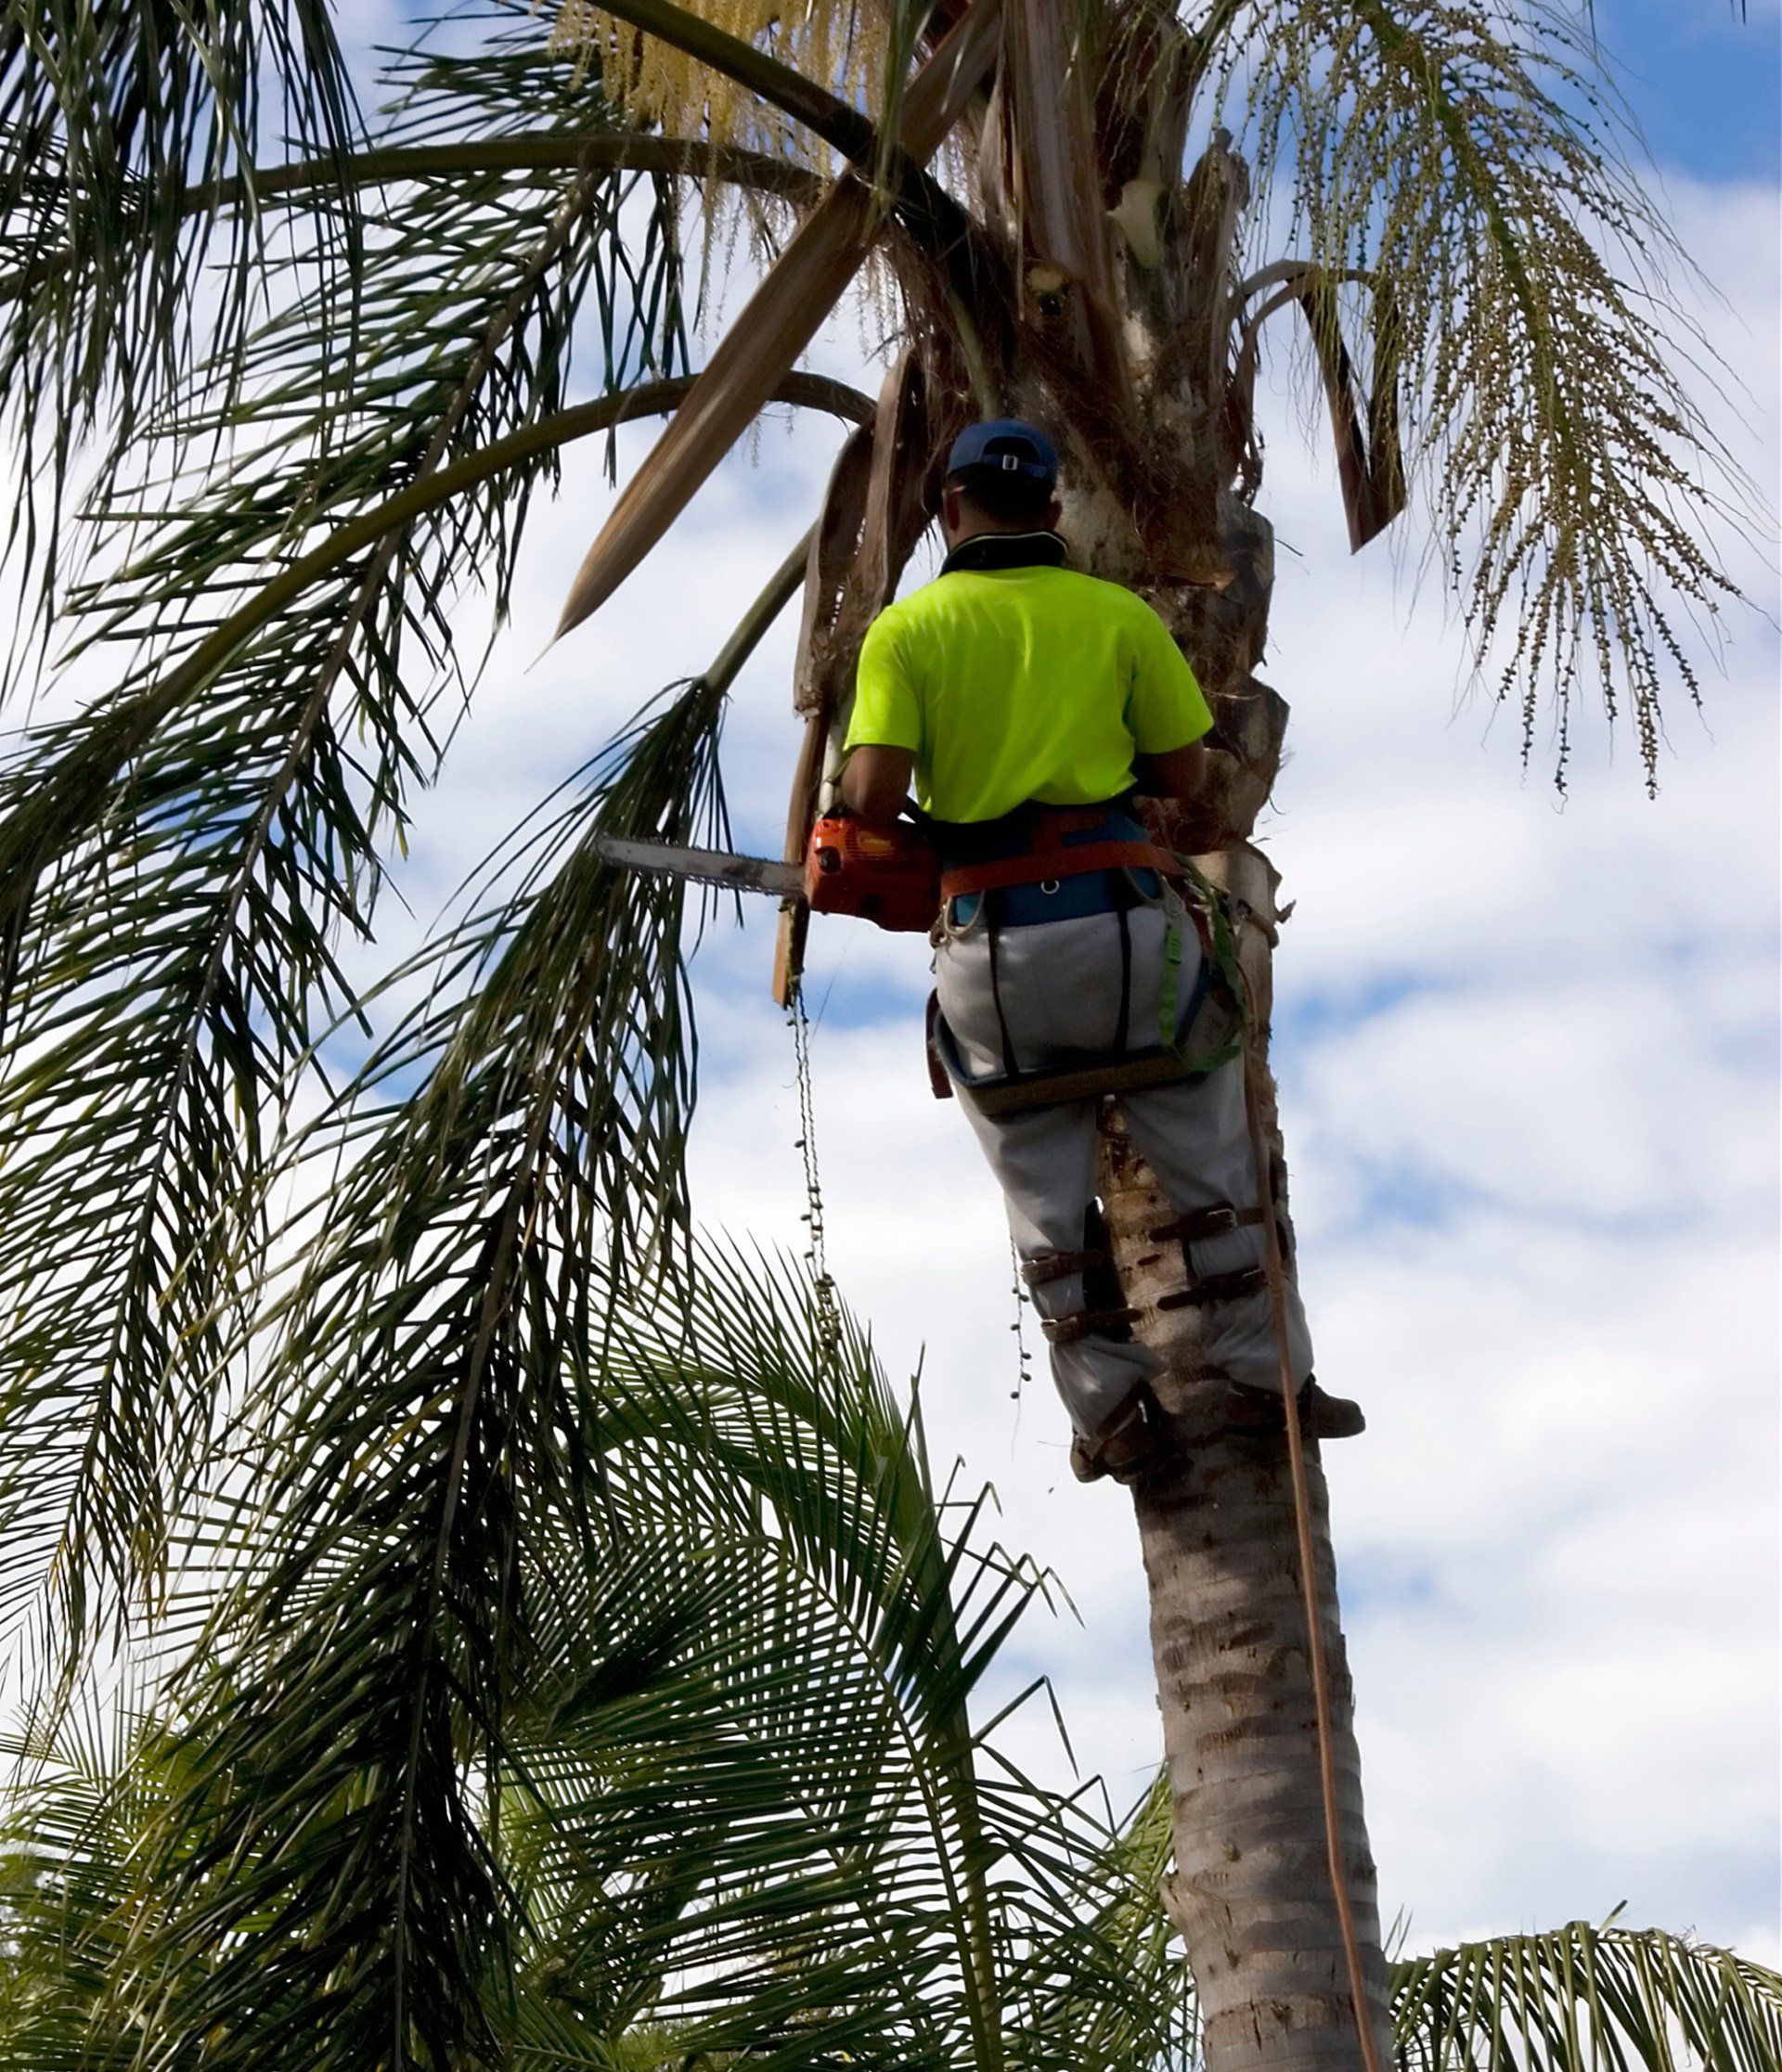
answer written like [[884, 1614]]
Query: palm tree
[[320, 1378], [732, 1809]]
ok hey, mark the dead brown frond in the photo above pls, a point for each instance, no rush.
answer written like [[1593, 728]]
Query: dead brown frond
[[778, 322]]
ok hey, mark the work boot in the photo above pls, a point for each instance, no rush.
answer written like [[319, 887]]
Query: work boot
[[1133, 1442], [1321, 1417]]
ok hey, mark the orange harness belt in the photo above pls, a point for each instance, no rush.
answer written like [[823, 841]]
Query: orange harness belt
[[1050, 858]]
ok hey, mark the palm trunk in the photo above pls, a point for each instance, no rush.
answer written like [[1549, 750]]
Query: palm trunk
[[1128, 347], [1251, 1893]]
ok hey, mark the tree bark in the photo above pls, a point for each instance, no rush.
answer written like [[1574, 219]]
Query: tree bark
[[1251, 1892]]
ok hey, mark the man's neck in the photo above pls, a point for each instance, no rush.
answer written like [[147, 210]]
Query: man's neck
[[1006, 548]]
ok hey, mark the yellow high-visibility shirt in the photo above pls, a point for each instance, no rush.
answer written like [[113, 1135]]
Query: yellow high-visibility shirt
[[1022, 683]]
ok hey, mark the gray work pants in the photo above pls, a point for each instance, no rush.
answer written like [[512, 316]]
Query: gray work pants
[[1059, 984]]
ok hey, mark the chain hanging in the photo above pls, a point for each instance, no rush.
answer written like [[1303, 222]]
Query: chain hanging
[[1022, 1355], [827, 1310]]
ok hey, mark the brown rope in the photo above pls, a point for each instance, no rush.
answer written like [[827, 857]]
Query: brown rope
[[1276, 1271]]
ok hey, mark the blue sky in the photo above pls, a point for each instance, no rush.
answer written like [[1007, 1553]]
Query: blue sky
[[1705, 80]]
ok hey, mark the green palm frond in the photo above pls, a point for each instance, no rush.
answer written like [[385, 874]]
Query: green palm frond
[[1108, 1985], [1468, 162], [419, 1434], [178, 861], [1583, 1998], [1008, 1916], [688, 1758], [75, 1806], [112, 288]]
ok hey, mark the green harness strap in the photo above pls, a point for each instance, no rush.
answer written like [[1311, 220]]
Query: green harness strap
[[1219, 945]]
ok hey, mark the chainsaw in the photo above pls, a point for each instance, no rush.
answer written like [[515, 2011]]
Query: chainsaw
[[885, 873]]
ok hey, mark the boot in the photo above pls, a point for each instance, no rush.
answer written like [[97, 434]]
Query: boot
[[1133, 1442], [1321, 1416]]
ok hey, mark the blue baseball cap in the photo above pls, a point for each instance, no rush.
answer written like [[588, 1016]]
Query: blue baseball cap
[[1005, 447]]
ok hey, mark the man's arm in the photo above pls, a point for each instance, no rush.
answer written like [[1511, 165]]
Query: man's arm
[[885, 725], [1178, 773], [875, 781]]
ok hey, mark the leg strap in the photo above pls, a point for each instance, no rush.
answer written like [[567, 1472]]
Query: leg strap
[[1087, 1323], [1058, 1266], [1196, 1225], [1217, 1287]]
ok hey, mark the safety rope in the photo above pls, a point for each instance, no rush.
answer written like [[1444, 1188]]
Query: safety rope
[[827, 1310], [1275, 1268]]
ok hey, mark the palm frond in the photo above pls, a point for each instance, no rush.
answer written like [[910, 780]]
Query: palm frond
[[781, 319], [549, 154], [76, 1803], [178, 860], [1108, 1985], [702, 1729], [677, 66], [1468, 164], [1583, 1998], [112, 289], [1048, 83], [419, 1423]]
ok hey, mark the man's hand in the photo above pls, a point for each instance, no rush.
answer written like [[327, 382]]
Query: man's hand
[[1178, 773], [876, 781]]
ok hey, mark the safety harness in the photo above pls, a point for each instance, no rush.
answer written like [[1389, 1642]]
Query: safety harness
[[1189, 1044], [1059, 843], [1051, 857]]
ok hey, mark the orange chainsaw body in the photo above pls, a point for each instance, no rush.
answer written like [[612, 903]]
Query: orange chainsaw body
[[885, 874]]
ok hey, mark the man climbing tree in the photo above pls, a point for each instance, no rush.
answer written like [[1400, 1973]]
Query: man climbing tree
[[1029, 701]]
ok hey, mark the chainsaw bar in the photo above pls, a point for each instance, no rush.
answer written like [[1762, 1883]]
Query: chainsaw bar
[[704, 866]]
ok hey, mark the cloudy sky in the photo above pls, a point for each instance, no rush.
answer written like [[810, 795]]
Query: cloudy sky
[[1528, 1054]]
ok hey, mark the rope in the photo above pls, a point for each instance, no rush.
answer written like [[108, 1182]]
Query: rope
[[1275, 1268]]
